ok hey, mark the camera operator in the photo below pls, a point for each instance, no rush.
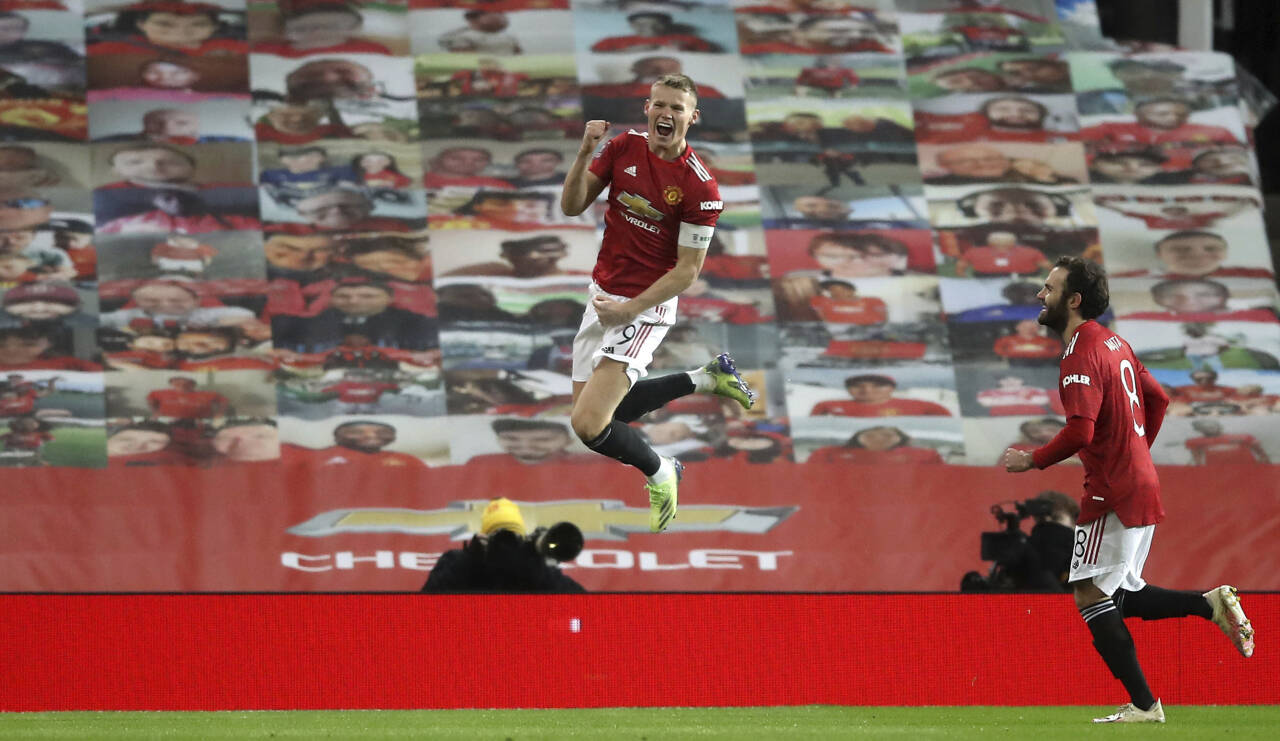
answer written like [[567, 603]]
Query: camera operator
[[503, 559], [1029, 563], [1043, 566]]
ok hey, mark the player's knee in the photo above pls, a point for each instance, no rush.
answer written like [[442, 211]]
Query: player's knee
[[587, 425], [1086, 593]]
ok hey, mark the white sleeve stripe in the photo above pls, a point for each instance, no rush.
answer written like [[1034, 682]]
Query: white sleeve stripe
[[698, 168]]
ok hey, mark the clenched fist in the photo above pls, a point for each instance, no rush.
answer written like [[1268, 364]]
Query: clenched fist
[[591, 136]]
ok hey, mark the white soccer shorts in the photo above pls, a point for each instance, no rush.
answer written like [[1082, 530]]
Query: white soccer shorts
[[632, 344], [1110, 554]]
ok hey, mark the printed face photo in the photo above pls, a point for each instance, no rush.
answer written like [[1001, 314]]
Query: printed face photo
[[498, 33], [995, 117], [146, 164], [517, 120], [218, 255], [989, 73], [484, 76], [906, 390], [1028, 205], [170, 122], [1003, 163], [1193, 346], [166, 78], [331, 29], [391, 440], [367, 90], [773, 76]]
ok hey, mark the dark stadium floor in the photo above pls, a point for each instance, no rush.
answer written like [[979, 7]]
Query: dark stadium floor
[[649, 724]]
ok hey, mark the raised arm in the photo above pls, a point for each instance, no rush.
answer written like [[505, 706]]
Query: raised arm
[[581, 186]]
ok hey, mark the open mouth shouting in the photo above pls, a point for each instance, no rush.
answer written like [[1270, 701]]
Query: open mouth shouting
[[664, 128]]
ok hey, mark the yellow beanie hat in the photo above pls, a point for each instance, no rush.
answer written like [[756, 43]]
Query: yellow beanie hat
[[502, 514]]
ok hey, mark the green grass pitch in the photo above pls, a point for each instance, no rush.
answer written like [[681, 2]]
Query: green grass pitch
[[1236, 723]]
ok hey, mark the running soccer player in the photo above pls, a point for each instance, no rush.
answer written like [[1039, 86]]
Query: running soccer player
[[1114, 409], [662, 209]]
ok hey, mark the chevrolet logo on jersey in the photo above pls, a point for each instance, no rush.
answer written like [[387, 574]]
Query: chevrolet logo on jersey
[[599, 519], [640, 207]]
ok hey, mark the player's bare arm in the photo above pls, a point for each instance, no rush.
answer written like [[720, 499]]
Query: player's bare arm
[[688, 265], [581, 187]]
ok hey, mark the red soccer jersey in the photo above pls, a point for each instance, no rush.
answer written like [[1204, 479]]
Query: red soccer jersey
[[350, 46], [787, 47], [987, 33], [649, 198], [937, 128], [671, 41], [337, 455], [1204, 393], [1013, 346], [707, 309], [864, 310], [1014, 402], [185, 404], [435, 180], [177, 252], [386, 179], [1189, 221], [842, 454], [827, 78], [890, 408], [1018, 260], [495, 83], [875, 349], [137, 45], [1120, 132], [1101, 379], [1034, 18], [235, 362], [359, 392], [23, 404], [59, 362], [265, 132], [735, 267], [1225, 449], [561, 457], [25, 440], [85, 261]]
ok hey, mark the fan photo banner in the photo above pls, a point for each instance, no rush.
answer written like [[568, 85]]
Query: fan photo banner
[[286, 292]]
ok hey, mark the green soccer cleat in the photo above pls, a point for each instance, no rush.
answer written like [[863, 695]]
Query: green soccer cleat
[[662, 500], [728, 383]]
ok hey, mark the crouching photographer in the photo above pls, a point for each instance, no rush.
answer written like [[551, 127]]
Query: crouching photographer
[[1035, 562], [502, 558]]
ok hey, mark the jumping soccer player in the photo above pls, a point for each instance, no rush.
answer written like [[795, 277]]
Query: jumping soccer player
[[1114, 409], [662, 208]]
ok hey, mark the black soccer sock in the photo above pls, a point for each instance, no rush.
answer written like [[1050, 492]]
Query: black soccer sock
[[623, 443], [1115, 645], [1153, 603], [650, 394]]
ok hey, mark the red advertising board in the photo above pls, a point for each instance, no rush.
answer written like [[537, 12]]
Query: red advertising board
[[218, 652], [782, 527]]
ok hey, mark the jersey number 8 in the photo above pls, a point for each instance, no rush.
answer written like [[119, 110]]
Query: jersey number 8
[[1129, 379]]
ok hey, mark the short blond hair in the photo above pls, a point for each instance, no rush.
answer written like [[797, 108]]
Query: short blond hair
[[678, 82]]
